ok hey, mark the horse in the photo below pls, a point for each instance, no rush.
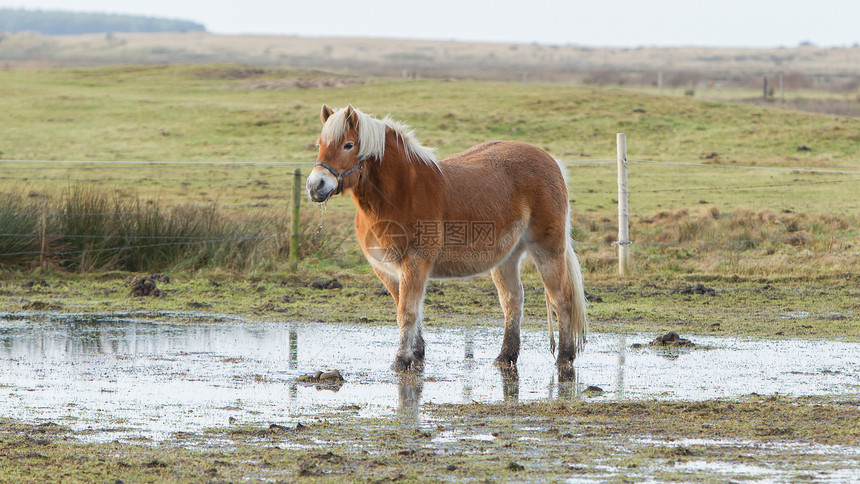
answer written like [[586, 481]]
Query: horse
[[418, 218]]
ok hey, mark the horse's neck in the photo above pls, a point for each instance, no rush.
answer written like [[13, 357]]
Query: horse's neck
[[394, 184]]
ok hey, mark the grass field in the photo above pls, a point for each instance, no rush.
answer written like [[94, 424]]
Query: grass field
[[219, 114]]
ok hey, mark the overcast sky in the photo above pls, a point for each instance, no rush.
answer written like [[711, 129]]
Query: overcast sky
[[629, 23]]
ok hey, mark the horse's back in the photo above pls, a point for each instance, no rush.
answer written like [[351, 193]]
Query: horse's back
[[497, 154], [507, 169]]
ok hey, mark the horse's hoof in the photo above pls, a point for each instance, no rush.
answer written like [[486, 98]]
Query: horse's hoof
[[400, 365], [566, 370], [403, 364], [505, 361]]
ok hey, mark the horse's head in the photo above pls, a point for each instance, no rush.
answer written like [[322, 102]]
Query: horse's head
[[340, 159]]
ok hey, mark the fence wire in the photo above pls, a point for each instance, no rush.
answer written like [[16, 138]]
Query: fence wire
[[200, 240], [146, 246], [854, 171]]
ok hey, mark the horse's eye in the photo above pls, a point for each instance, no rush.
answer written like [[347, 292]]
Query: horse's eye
[[348, 146]]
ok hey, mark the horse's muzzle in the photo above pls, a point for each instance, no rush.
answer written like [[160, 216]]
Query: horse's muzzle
[[319, 189]]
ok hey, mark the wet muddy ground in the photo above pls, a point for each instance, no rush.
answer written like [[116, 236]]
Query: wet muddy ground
[[177, 392]]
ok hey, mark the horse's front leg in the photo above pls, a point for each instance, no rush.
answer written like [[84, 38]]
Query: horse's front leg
[[390, 283], [413, 281]]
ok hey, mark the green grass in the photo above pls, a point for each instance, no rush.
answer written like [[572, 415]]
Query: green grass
[[204, 113]]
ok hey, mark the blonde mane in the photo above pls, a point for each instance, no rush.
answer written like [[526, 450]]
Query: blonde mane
[[371, 136]]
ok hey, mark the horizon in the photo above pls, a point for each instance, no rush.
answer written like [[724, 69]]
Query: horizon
[[663, 24]]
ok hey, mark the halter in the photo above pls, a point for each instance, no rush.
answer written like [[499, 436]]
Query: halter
[[338, 175]]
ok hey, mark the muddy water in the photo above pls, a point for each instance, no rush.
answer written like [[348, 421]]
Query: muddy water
[[129, 377]]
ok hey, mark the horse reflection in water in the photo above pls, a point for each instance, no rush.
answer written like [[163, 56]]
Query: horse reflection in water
[[409, 389], [510, 383], [483, 210], [411, 385]]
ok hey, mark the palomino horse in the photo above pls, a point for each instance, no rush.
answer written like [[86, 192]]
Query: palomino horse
[[475, 212]]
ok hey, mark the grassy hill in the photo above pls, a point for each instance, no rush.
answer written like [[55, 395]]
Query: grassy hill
[[807, 66]]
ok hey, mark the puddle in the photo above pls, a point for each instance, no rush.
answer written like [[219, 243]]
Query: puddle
[[739, 471], [726, 468], [132, 378]]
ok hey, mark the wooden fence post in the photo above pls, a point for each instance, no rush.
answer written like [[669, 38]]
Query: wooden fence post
[[623, 215], [43, 262], [295, 228]]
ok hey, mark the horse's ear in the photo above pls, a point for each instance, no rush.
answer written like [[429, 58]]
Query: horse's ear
[[351, 117], [325, 113]]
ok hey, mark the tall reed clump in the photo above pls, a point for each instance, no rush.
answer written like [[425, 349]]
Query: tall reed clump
[[738, 242], [20, 226], [88, 228]]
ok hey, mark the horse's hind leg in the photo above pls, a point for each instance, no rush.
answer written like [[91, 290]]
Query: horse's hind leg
[[506, 276], [552, 266]]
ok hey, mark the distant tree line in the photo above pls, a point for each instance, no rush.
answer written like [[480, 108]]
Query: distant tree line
[[54, 22]]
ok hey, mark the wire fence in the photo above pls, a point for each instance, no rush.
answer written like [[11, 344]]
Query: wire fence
[[843, 176], [208, 240]]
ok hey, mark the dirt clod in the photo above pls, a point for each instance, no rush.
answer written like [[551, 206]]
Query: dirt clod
[[309, 469], [35, 441], [145, 285], [40, 306], [330, 456], [697, 289], [330, 284], [278, 428], [671, 339], [35, 282], [332, 376]]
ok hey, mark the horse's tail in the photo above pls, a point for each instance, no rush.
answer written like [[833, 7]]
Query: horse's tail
[[549, 324], [578, 318]]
